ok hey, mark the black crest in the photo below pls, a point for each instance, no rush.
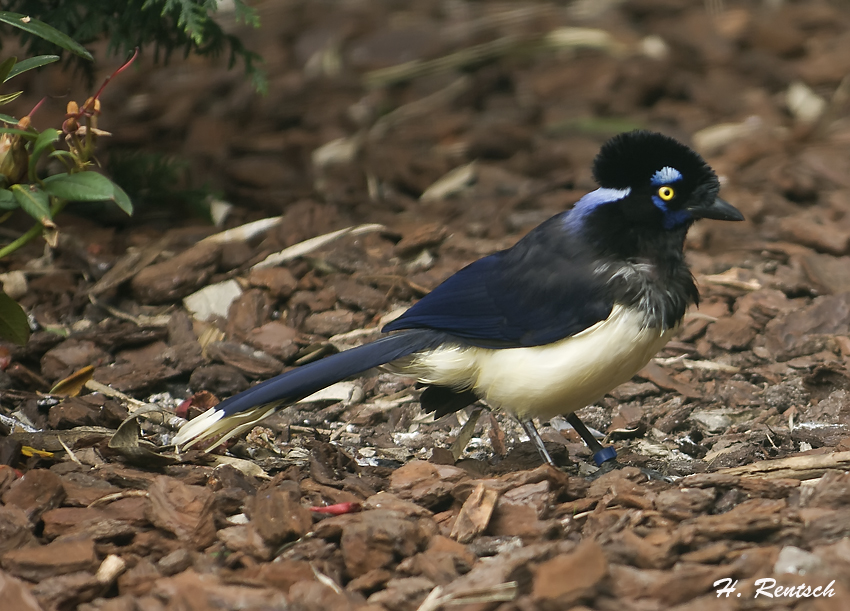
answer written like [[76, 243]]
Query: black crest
[[632, 158]]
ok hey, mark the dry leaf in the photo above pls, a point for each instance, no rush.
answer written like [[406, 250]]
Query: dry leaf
[[73, 385]]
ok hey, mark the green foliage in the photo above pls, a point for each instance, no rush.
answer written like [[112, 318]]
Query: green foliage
[[166, 25], [155, 180], [22, 148], [41, 30], [14, 325], [7, 200], [34, 201], [30, 63], [44, 140], [87, 187], [6, 68], [9, 97]]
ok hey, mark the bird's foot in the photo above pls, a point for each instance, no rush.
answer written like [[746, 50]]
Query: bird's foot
[[605, 457], [601, 454]]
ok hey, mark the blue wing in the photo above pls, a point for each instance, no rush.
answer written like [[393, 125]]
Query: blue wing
[[541, 290]]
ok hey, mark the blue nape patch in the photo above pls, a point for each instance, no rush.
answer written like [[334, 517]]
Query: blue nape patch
[[593, 200], [665, 176]]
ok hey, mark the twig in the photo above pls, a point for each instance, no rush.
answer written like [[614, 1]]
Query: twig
[[95, 386], [794, 467], [465, 57], [116, 496], [322, 578], [70, 452], [421, 107], [140, 321], [558, 39], [244, 232], [308, 246]]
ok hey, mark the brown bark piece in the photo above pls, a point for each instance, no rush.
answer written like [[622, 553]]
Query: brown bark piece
[[178, 276], [37, 491], [378, 539], [182, 509], [276, 339], [425, 483], [15, 529], [15, 594], [566, 577], [474, 516], [58, 558], [278, 280], [278, 515], [251, 362]]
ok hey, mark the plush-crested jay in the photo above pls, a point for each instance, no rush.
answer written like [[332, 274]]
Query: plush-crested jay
[[548, 326]]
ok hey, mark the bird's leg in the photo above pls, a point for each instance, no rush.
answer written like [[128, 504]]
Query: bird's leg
[[531, 431], [606, 458], [601, 454]]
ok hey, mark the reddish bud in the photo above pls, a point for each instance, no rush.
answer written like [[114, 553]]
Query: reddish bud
[[338, 509]]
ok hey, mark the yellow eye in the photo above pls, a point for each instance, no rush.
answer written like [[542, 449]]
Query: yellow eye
[[666, 193]]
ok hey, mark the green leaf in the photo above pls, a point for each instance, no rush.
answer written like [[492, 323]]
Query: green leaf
[[45, 139], [80, 187], [191, 17], [31, 63], [6, 68], [8, 119], [87, 187], [7, 200], [34, 201], [246, 14], [121, 199], [47, 32], [5, 99], [18, 132], [14, 325]]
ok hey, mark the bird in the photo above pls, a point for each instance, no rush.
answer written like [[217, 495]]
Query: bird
[[546, 327]]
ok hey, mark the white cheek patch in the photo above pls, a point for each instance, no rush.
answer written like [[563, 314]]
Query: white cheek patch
[[665, 176]]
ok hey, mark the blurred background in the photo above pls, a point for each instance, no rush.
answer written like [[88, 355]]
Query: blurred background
[[372, 103]]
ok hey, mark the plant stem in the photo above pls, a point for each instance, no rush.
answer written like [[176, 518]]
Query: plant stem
[[33, 231], [29, 235]]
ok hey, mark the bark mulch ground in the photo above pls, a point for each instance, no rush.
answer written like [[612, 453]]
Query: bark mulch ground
[[412, 138]]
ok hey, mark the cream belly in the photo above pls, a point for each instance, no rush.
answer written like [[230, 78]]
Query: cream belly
[[546, 381]]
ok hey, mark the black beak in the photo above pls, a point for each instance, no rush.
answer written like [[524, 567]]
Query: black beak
[[719, 210]]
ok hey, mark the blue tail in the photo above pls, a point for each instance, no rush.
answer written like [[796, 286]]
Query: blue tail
[[304, 381]]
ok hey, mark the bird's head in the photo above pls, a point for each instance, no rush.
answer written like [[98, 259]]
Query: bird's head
[[651, 182]]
